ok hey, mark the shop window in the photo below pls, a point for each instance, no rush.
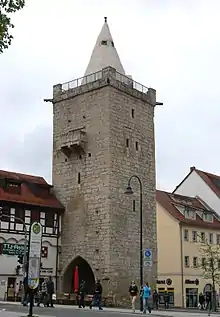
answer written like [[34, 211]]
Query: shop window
[[191, 297]]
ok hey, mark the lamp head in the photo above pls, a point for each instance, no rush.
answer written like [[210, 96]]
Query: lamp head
[[129, 190]]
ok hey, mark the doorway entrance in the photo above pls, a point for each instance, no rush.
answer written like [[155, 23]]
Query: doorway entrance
[[191, 297], [85, 273]]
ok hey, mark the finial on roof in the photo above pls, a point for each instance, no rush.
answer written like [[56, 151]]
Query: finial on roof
[[105, 18]]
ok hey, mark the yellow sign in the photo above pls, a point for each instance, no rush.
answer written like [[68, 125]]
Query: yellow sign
[[36, 228]]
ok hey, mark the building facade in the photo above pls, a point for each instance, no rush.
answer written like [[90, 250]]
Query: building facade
[[203, 184], [183, 223], [103, 133], [30, 199]]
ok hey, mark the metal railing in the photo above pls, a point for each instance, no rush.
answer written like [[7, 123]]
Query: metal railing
[[82, 81], [99, 75]]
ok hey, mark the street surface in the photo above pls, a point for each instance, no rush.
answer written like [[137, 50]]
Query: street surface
[[17, 310]]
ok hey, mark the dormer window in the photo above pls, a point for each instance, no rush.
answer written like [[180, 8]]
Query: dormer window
[[13, 187], [208, 217], [190, 214], [104, 43]]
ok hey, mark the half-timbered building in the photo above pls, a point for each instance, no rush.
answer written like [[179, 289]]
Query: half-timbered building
[[23, 200]]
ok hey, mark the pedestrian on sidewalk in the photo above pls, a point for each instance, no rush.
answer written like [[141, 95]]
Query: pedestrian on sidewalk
[[97, 298], [201, 301], [133, 290], [155, 299], [82, 292], [43, 294], [146, 298], [50, 291], [166, 298]]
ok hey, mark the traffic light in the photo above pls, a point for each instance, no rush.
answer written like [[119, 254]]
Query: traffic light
[[20, 259]]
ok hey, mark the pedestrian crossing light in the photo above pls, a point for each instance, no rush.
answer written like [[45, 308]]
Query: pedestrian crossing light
[[20, 259]]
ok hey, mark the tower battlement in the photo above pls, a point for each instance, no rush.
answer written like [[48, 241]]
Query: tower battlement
[[102, 78]]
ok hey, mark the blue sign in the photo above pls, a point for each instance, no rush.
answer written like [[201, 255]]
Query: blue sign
[[148, 253]]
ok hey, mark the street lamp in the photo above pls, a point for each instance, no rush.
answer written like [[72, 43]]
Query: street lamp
[[129, 191], [25, 241]]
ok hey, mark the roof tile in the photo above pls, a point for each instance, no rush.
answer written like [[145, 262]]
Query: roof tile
[[41, 196]]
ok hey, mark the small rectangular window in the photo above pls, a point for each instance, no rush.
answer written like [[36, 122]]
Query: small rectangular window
[[186, 235], [35, 215], [202, 236], [211, 238], [194, 236], [195, 261], [79, 180], [133, 205], [127, 142], [218, 239], [132, 113], [203, 262], [186, 261], [136, 145]]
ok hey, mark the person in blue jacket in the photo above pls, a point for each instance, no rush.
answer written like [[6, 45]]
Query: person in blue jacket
[[146, 297]]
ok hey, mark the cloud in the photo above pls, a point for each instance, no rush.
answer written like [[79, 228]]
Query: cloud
[[172, 46]]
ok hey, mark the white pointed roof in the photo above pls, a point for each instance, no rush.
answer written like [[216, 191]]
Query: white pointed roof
[[104, 53]]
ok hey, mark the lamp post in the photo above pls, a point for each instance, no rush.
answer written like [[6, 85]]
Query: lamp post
[[129, 191], [25, 242]]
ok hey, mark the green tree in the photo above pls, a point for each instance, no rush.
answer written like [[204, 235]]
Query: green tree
[[210, 265], [7, 7]]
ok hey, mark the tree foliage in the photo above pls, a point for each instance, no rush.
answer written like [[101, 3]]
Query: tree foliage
[[210, 262], [7, 7]]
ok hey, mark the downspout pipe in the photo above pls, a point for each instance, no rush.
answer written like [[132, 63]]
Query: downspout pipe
[[181, 264]]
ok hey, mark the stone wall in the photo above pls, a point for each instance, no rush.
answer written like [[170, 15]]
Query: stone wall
[[99, 223]]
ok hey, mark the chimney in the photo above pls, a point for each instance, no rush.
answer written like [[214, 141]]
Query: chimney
[[192, 168]]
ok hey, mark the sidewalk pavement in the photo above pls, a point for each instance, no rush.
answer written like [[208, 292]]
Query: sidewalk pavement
[[158, 313]]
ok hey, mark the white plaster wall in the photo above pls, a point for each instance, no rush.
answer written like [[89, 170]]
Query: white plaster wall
[[194, 185], [8, 263]]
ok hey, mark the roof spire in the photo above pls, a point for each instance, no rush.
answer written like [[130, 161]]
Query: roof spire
[[104, 53]]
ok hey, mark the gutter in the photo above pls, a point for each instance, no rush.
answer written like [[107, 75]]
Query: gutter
[[181, 265]]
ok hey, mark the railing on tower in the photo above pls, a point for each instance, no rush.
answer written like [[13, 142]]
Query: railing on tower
[[101, 75]]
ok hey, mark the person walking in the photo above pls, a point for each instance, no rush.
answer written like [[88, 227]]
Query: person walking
[[133, 290], [43, 294], [166, 298], [82, 292], [50, 292], [146, 296], [97, 298], [155, 299], [201, 301]]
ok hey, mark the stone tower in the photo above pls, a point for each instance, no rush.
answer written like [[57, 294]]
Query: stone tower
[[103, 133]]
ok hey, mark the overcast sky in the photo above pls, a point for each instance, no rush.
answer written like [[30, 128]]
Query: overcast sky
[[170, 45]]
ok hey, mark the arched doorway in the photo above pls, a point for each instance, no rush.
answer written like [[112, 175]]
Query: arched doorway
[[85, 273], [207, 288]]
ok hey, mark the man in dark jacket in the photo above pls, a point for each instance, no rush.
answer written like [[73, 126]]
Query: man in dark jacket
[[50, 291], [155, 299], [82, 292], [97, 298], [166, 298]]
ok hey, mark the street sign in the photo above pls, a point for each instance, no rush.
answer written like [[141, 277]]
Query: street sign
[[148, 258], [12, 249], [34, 255]]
